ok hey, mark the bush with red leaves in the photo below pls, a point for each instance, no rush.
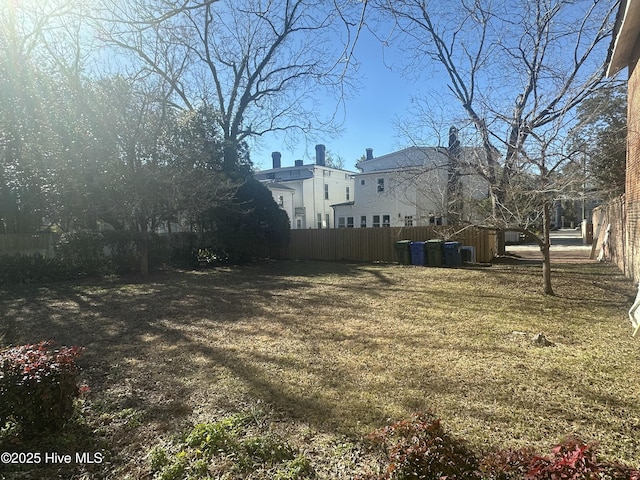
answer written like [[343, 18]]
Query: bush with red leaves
[[38, 386]]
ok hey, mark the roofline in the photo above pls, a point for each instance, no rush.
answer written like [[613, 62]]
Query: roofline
[[343, 204], [276, 186], [625, 36], [406, 149], [304, 166]]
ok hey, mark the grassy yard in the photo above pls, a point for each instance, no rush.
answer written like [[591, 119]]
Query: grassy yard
[[333, 351]]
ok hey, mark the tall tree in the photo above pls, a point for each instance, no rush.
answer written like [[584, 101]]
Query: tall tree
[[602, 131], [29, 101], [254, 61], [516, 70]]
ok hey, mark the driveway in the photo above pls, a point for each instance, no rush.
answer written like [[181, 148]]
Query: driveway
[[566, 247]]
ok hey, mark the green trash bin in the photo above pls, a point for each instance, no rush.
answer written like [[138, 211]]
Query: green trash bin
[[403, 252], [435, 252]]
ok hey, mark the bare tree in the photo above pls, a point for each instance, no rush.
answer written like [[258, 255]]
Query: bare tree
[[261, 64], [514, 69]]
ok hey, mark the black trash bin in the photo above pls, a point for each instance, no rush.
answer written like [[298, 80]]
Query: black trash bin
[[403, 253], [434, 253]]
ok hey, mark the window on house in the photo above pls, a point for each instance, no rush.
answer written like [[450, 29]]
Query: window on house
[[298, 223], [362, 182], [327, 224], [435, 220], [363, 221], [341, 223], [349, 222], [347, 193], [381, 185], [319, 220], [386, 221], [326, 191], [280, 201], [376, 220], [408, 220]]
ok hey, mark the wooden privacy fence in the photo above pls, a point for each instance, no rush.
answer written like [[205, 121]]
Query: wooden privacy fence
[[27, 244], [377, 244]]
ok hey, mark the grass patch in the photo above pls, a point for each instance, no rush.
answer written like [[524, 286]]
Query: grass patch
[[335, 350]]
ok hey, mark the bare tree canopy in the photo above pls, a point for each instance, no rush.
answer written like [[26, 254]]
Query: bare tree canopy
[[262, 65], [516, 70]]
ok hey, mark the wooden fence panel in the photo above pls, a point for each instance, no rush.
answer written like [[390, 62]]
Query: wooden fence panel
[[377, 244]]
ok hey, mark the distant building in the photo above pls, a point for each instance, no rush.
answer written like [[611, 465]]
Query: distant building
[[411, 187], [306, 192]]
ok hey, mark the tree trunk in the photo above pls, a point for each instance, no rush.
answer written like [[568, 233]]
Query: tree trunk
[[144, 254], [544, 248]]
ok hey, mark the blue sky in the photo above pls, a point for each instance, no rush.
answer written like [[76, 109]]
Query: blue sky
[[369, 115]]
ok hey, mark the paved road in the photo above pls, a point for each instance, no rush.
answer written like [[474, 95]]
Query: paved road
[[566, 245]]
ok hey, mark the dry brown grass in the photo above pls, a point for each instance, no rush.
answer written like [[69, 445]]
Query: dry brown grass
[[337, 349]]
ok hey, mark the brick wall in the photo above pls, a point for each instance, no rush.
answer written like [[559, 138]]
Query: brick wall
[[632, 189]]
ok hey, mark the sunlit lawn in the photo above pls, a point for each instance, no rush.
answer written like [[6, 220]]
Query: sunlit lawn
[[335, 350]]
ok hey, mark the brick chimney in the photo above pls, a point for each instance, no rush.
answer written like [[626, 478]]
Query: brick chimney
[[276, 157], [369, 153], [320, 155]]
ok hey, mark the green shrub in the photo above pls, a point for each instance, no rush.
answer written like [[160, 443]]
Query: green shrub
[[93, 253], [239, 444], [268, 449], [218, 437], [38, 386], [29, 269], [158, 458], [297, 469], [83, 252]]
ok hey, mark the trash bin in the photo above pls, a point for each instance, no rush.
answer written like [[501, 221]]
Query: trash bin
[[452, 255], [403, 253], [418, 256], [468, 253], [434, 253]]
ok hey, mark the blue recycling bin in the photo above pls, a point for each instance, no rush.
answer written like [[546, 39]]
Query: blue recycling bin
[[418, 255], [452, 254]]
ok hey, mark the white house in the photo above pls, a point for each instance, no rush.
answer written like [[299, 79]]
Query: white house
[[410, 187], [306, 192]]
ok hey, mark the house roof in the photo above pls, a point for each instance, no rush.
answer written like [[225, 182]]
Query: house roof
[[343, 204], [410, 156], [306, 166], [277, 186], [625, 36]]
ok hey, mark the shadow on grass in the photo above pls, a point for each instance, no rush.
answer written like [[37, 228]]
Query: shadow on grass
[[174, 348]]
